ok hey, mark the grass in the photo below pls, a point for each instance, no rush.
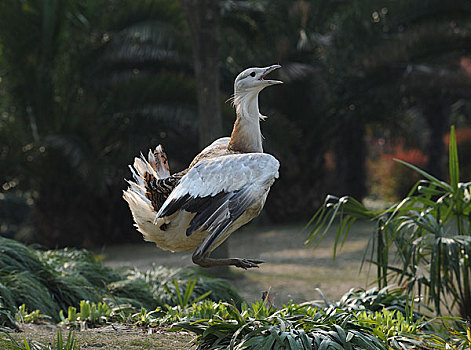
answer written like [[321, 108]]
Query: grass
[[159, 297], [51, 281]]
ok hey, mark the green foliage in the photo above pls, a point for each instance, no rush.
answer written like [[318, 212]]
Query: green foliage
[[24, 316], [374, 300], [134, 291], [8, 343], [206, 309], [373, 320], [184, 298], [85, 86], [79, 262], [429, 230], [7, 319], [395, 329], [361, 319], [7, 308], [146, 318], [41, 282], [90, 314], [459, 334], [52, 281], [291, 327], [167, 283]]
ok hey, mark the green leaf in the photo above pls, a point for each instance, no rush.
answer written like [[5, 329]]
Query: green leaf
[[177, 289], [453, 160], [325, 344], [341, 333], [349, 336], [428, 176]]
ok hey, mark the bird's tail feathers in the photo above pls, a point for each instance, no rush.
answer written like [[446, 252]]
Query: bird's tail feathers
[[144, 191], [154, 167], [159, 162]]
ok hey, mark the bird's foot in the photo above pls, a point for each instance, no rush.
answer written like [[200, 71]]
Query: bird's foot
[[205, 261], [247, 263]]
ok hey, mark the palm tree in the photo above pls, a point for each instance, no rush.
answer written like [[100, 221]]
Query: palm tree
[[97, 84], [423, 45]]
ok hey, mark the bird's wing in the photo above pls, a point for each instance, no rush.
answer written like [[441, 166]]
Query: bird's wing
[[219, 191]]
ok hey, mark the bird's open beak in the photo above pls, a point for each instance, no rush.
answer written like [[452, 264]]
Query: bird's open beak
[[267, 71]]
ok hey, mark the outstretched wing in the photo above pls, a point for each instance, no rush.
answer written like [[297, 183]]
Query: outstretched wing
[[220, 190]]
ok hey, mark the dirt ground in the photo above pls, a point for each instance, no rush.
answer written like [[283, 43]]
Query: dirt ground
[[109, 338], [291, 270]]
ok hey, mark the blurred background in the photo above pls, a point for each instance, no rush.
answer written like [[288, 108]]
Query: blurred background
[[85, 86]]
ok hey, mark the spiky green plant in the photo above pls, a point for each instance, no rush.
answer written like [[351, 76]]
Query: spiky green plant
[[89, 314], [423, 241], [145, 318], [54, 280], [32, 278], [389, 298], [24, 316], [7, 319], [310, 326], [292, 327], [162, 281], [459, 334]]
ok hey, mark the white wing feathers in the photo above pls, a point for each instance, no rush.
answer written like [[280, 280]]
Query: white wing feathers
[[226, 173], [219, 190]]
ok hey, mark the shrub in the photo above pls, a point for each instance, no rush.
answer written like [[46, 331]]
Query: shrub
[[50, 281], [422, 241], [390, 180], [303, 326], [389, 298]]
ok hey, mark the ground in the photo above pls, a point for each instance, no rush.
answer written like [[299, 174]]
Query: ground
[[291, 271], [110, 338]]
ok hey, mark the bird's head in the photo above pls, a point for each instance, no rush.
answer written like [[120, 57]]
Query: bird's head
[[252, 80]]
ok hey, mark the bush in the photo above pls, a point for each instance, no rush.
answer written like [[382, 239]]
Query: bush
[[422, 242], [50, 281], [390, 180], [303, 326]]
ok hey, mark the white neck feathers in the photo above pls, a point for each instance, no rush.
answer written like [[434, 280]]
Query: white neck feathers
[[246, 135]]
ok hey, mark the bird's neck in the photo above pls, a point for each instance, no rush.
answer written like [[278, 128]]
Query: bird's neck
[[246, 135]]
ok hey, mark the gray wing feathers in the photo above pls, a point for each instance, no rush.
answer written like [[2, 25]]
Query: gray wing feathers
[[226, 215], [220, 190]]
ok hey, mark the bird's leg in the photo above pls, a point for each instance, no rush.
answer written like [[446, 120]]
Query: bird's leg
[[205, 261]]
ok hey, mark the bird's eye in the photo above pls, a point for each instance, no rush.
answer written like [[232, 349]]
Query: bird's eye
[[252, 74]]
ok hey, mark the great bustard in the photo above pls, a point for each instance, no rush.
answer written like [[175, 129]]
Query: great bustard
[[224, 187]]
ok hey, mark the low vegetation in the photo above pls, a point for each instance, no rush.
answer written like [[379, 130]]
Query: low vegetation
[[428, 232], [53, 281], [422, 242], [362, 319]]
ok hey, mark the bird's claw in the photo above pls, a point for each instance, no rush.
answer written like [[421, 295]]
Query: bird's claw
[[248, 263]]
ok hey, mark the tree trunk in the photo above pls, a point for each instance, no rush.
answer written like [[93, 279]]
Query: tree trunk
[[203, 18], [436, 114], [350, 155]]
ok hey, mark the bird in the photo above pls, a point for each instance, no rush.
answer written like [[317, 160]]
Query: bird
[[224, 187]]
